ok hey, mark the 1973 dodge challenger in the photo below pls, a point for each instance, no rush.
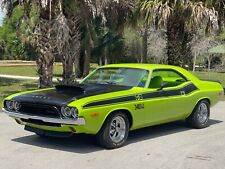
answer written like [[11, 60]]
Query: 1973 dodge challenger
[[114, 100]]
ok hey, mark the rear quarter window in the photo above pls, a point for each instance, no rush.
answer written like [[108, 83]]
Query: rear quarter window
[[170, 76]]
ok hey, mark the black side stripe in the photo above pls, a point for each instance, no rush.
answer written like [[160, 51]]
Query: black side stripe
[[186, 90], [111, 101], [189, 89]]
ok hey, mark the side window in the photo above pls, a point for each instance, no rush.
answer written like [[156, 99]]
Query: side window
[[170, 77]]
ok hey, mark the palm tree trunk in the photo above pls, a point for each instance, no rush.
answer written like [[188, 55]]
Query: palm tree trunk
[[87, 61], [145, 45], [100, 61], [194, 62], [45, 70], [106, 59], [68, 73], [138, 54], [77, 66], [175, 31], [209, 63]]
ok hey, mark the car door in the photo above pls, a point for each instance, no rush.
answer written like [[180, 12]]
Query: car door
[[169, 103]]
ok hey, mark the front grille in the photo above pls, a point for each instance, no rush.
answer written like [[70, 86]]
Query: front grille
[[40, 110]]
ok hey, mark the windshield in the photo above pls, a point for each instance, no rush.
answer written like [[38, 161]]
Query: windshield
[[118, 76]]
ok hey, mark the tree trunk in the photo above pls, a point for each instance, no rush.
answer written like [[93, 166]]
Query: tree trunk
[[145, 45], [194, 62], [175, 33], [221, 20], [87, 61], [100, 61], [106, 61], [45, 69], [68, 73], [209, 63], [46, 57], [138, 54], [77, 65]]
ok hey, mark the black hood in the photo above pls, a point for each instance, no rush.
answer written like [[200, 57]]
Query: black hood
[[62, 95]]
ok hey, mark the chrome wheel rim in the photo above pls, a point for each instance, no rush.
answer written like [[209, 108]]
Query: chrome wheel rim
[[203, 113], [117, 130]]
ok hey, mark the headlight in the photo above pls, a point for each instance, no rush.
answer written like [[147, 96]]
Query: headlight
[[68, 112], [74, 112], [9, 105], [12, 105], [16, 106]]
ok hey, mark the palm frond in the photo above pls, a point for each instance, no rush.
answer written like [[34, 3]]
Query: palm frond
[[9, 5], [156, 11]]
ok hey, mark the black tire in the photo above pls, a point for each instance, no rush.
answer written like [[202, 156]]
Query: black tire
[[195, 120], [104, 137]]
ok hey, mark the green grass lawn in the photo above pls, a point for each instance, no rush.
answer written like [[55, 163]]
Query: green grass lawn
[[211, 76], [27, 70], [16, 61], [32, 70]]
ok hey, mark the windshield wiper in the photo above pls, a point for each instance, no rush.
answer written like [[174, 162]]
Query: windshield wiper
[[110, 83]]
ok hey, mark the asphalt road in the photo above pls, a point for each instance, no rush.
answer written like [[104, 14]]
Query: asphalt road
[[170, 146]]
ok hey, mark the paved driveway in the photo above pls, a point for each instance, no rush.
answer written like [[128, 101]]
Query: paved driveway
[[170, 146]]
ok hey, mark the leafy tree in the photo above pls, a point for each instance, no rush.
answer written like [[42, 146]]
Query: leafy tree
[[12, 43], [200, 48]]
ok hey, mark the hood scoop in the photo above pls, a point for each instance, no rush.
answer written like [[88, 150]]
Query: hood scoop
[[74, 89]]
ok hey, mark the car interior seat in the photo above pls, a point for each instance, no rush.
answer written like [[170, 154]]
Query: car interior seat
[[156, 82]]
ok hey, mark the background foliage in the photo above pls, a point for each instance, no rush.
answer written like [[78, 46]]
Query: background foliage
[[80, 32]]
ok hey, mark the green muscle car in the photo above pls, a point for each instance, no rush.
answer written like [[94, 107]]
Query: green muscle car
[[114, 100]]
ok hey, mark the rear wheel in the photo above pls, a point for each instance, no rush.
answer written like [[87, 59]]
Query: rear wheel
[[114, 132], [200, 116]]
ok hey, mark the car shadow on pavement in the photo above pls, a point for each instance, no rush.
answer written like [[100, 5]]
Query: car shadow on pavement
[[84, 144], [162, 130]]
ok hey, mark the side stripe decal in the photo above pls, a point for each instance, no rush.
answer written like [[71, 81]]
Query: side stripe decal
[[111, 101], [186, 90]]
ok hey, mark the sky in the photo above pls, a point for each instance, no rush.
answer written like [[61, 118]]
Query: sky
[[1, 16]]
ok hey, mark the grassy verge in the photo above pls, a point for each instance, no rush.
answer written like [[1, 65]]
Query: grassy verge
[[16, 61], [211, 76], [31, 70], [11, 86], [27, 70]]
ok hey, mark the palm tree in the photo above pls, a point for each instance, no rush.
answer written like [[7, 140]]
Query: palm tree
[[53, 34], [103, 22], [219, 6], [180, 19], [42, 35], [67, 38], [67, 29]]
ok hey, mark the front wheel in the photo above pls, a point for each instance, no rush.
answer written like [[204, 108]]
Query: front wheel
[[200, 116], [114, 132]]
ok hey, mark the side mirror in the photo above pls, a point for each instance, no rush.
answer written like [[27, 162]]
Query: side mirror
[[163, 85]]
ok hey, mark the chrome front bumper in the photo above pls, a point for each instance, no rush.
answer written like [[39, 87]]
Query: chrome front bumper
[[16, 115]]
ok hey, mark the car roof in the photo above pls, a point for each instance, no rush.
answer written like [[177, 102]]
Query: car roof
[[142, 66], [152, 67]]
